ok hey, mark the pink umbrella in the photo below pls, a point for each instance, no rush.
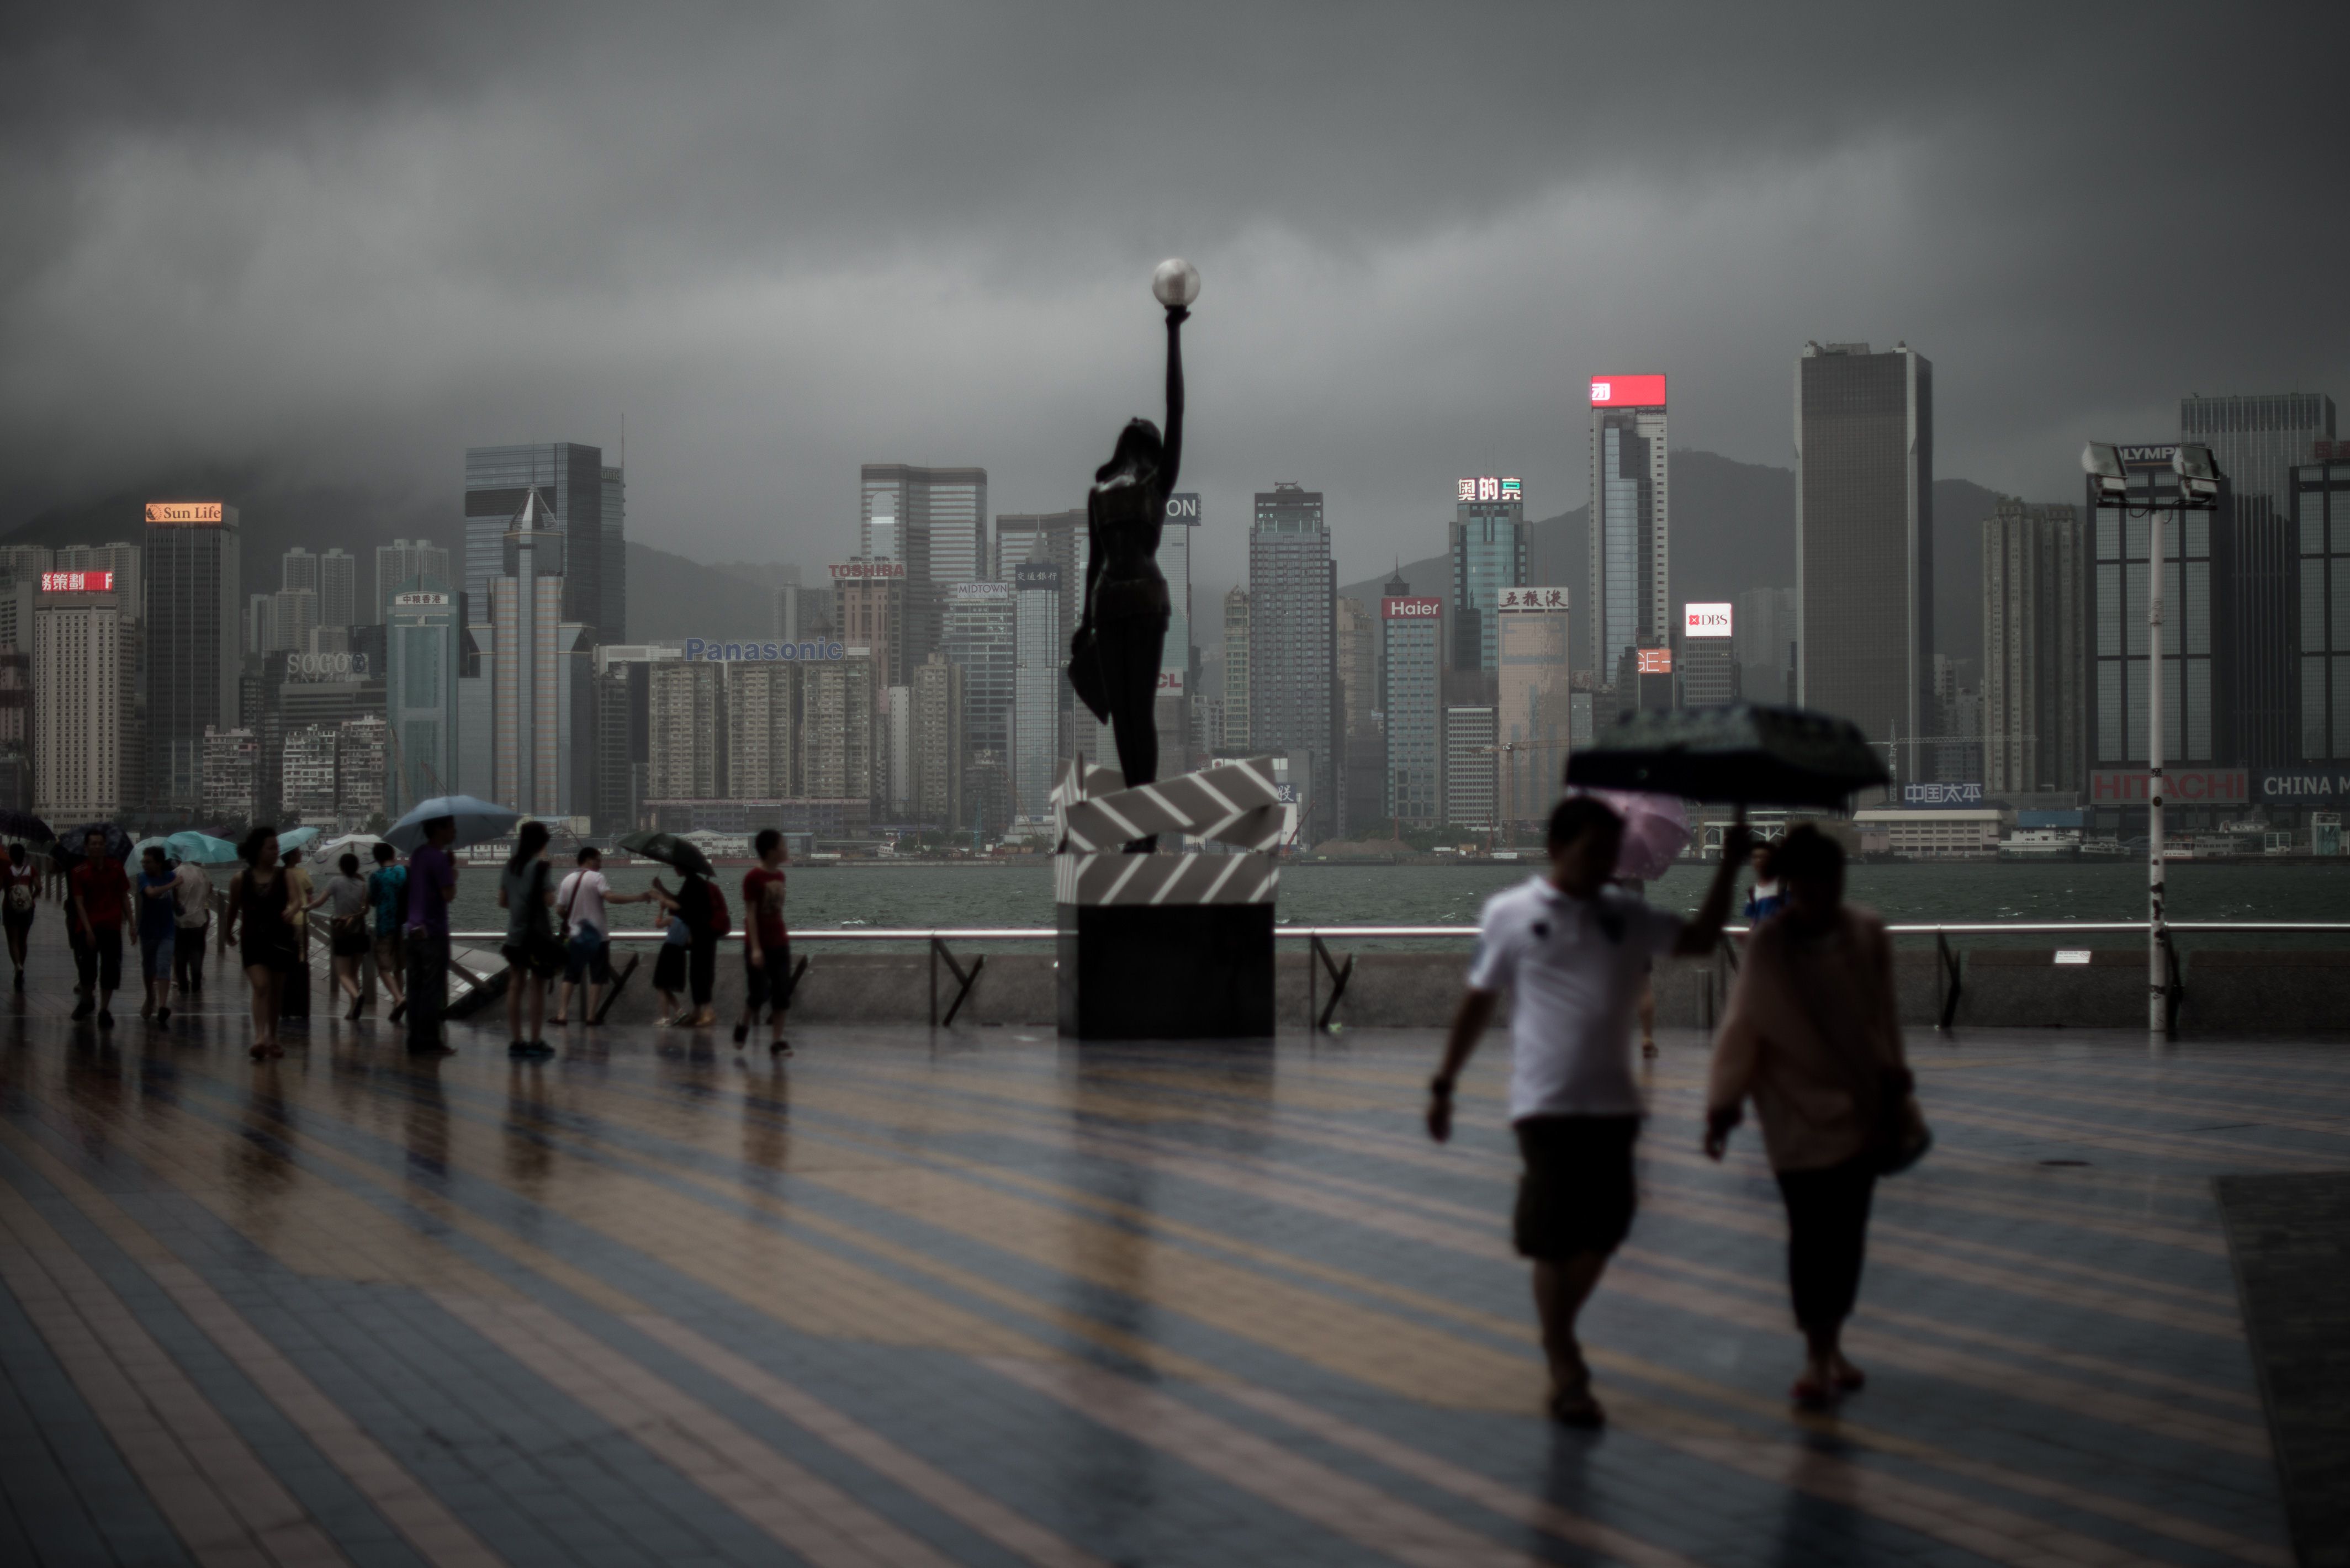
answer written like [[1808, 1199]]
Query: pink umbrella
[[1655, 827]]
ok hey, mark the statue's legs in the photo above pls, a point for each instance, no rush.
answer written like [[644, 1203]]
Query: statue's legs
[[1129, 656]]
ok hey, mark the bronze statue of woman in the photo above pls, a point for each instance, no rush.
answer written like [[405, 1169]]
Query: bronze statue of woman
[[1114, 658]]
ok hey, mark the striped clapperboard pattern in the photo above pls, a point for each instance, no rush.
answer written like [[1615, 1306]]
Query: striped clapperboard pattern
[[1183, 880], [1235, 804]]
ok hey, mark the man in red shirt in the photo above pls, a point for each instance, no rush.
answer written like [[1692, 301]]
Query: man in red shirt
[[766, 945], [101, 903]]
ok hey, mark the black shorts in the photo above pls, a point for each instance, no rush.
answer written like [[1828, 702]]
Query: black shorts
[[540, 961], [350, 942], [1578, 1192], [768, 981]]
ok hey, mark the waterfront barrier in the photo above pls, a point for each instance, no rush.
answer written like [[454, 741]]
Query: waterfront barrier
[[2090, 976]]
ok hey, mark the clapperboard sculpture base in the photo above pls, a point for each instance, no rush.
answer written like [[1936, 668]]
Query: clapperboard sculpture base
[[1166, 947]]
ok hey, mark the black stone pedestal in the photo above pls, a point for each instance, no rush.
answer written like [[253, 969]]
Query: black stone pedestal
[[1166, 972]]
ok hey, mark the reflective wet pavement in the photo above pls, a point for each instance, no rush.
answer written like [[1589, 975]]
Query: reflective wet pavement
[[980, 1297]]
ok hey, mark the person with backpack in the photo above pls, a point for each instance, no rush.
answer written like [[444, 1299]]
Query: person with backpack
[[192, 915], [532, 953], [1813, 1037], [766, 945]]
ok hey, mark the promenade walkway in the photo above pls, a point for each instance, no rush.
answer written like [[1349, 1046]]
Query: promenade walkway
[[985, 1298]]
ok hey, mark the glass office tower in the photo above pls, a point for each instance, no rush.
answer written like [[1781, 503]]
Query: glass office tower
[[1037, 695], [1411, 641], [421, 636], [1627, 599], [194, 635], [2320, 499], [569, 481], [1292, 632], [1487, 539]]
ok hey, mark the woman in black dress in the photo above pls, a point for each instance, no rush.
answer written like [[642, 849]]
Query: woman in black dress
[[259, 898], [1114, 658]]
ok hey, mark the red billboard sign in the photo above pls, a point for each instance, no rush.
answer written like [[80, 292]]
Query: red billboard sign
[[77, 582], [1628, 391], [1656, 661], [1411, 609], [2182, 786]]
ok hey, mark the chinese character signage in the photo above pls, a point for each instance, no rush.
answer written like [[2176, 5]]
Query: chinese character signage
[[77, 582], [419, 599], [1491, 487], [1027, 575], [1522, 599], [1930, 794], [1656, 661]]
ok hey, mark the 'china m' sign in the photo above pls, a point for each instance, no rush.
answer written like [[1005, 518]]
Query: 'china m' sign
[[183, 511], [1411, 609], [1705, 620], [1628, 391], [2182, 786]]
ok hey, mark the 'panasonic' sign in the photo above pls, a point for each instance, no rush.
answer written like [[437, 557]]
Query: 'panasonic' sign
[[699, 650]]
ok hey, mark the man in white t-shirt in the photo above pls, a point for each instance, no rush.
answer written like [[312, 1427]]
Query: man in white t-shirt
[[588, 950], [1573, 950]]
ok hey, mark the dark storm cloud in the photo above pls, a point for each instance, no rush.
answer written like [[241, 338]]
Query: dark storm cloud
[[348, 241]]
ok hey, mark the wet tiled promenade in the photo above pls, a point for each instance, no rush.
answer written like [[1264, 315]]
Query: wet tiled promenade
[[983, 1298]]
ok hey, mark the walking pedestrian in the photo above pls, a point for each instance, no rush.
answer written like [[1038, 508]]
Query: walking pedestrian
[[294, 1000], [1573, 950], [669, 964], [581, 903], [1768, 897], [766, 944], [159, 932], [532, 953], [261, 898], [703, 908], [1812, 1035], [346, 896], [431, 883], [20, 889], [102, 901], [191, 914], [388, 900]]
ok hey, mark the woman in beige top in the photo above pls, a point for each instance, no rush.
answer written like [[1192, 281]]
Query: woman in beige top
[[1812, 1037]]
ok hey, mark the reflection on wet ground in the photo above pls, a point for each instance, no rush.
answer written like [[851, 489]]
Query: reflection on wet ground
[[987, 1298]]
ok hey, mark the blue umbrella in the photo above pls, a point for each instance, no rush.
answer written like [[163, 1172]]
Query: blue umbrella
[[296, 838], [478, 821], [201, 847]]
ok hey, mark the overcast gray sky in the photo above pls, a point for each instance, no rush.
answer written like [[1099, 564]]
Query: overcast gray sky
[[781, 240]]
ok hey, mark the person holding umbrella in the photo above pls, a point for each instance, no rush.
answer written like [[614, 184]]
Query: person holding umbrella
[[1573, 949]]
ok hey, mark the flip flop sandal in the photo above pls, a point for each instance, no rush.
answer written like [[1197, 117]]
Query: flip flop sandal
[[1577, 1409]]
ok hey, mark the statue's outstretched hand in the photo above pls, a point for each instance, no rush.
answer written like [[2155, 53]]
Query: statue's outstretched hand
[[1178, 314]]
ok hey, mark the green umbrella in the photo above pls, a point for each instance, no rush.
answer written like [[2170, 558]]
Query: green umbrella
[[670, 850]]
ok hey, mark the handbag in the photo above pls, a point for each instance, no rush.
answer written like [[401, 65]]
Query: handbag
[[1884, 1097]]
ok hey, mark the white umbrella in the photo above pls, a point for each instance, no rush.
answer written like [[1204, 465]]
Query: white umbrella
[[478, 821]]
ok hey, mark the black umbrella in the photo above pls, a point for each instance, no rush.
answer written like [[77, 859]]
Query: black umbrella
[[70, 843], [670, 850], [1754, 756], [25, 825]]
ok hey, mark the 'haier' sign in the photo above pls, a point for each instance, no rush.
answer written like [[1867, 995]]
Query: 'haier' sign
[[1412, 609], [699, 651]]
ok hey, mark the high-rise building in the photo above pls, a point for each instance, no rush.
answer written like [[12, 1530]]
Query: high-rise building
[[1178, 660], [2194, 638], [297, 569], [2257, 441], [611, 621], [869, 611], [120, 558], [836, 730], [567, 479], [1532, 724], [1365, 761], [2319, 503], [1235, 740], [940, 693], [2035, 649], [801, 612], [362, 761], [402, 559], [687, 713], [1488, 541], [232, 776], [1766, 640], [422, 656], [619, 774], [1066, 542], [305, 786], [1708, 656], [1410, 659], [543, 754], [1036, 682], [982, 639], [1293, 588], [292, 617], [761, 699], [1864, 540], [1629, 592], [192, 636], [339, 589], [933, 521], [1470, 797], [85, 705]]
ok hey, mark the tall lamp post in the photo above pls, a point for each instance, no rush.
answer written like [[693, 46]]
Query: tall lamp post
[[2199, 491]]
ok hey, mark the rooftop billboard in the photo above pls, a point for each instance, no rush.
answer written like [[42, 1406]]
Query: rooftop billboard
[[1628, 391]]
